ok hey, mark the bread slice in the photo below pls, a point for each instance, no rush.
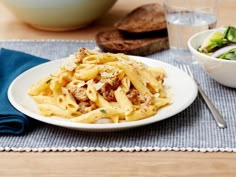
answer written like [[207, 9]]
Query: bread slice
[[146, 18], [113, 41]]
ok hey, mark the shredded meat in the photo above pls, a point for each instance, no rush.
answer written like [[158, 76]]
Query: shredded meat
[[82, 53], [133, 95], [136, 98], [146, 100], [107, 92], [79, 93], [85, 107], [115, 83], [97, 79]]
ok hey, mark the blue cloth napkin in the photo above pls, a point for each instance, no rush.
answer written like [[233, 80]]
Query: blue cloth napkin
[[12, 64]]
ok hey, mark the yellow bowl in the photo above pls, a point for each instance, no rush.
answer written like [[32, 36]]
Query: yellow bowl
[[58, 15]]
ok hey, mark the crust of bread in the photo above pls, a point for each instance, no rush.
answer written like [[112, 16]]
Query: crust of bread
[[146, 18]]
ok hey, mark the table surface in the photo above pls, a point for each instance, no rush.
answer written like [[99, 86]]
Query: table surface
[[139, 164]]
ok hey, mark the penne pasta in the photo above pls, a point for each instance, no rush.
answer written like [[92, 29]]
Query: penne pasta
[[158, 73], [86, 73], [101, 87], [100, 58], [141, 113], [55, 87], [125, 84], [40, 99], [123, 101], [40, 86], [101, 102], [149, 79], [160, 102], [97, 114], [134, 78], [61, 101], [54, 110], [91, 91], [65, 77]]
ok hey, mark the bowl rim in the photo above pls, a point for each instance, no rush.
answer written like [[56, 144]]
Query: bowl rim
[[202, 54]]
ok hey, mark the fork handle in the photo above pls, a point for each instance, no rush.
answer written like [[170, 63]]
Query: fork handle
[[216, 114]]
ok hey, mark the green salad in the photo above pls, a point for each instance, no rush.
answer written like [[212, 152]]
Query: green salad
[[221, 45]]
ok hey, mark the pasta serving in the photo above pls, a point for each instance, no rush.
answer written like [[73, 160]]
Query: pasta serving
[[91, 86]]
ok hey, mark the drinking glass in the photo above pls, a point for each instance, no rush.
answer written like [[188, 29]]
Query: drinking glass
[[185, 18]]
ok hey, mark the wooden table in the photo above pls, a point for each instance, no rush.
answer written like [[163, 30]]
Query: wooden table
[[109, 164]]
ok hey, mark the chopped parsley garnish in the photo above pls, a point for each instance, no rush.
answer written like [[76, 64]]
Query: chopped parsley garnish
[[48, 81], [103, 111]]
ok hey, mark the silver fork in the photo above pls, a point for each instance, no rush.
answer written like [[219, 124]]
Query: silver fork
[[216, 114]]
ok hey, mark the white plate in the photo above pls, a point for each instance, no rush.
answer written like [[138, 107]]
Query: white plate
[[181, 88]]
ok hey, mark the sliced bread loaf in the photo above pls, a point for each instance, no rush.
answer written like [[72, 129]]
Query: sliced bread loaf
[[146, 18], [115, 42]]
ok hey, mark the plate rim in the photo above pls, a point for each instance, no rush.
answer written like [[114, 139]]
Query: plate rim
[[99, 127]]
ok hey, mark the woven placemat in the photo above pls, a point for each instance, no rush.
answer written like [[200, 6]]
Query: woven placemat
[[191, 130]]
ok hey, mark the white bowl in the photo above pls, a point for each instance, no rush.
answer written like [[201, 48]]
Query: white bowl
[[58, 15], [223, 71]]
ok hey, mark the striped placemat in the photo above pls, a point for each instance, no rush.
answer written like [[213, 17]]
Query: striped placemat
[[191, 130]]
